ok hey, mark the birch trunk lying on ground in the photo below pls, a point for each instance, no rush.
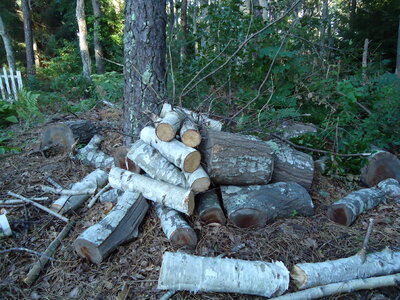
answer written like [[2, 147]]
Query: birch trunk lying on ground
[[391, 187], [181, 271], [172, 196], [209, 208], [174, 226], [198, 181], [380, 166], [182, 156], [96, 179], [169, 125], [346, 210], [307, 275], [92, 156], [254, 206], [190, 134], [119, 226]]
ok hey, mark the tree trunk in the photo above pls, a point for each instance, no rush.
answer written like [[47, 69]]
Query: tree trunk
[[171, 18], [254, 206], [184, 6], [352, 12], [36, 53], [91, 155], [180, 271], [144, 62], [398, 52], [7, 45], [28, 32], [83, 44], [209, 208], [324, 25], [98, 48], [365, 60], [381, 165]]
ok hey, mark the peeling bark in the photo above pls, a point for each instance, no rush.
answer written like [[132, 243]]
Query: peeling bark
[[209, 208], [111, 196]]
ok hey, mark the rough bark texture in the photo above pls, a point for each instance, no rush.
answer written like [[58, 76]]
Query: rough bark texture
[[209, 208], [291, 129], [190, 134], [236, 159], [83, 130], [391, 187], [92, 156], [122, 161], [98, 48], [307, 275], [119, 226], [144, 62], [167, 128], [381, 165], [83, 44], [180, 271], [184, 25], [398, 52], [346, 210], [58, 136], [28, 32], [7, 45], [254, 206], [176, 229], [198, 181], [172, 196]]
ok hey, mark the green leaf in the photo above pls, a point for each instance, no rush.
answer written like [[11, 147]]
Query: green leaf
[[12, 119]]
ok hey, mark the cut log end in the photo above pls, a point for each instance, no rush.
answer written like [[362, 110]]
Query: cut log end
[[184, 237], [192, 162], [201, 185], [165, 132], [340, 214], [88, 250], [246, 218], [299, 277], [191, 138], [213, 215], [190, 200], [380, 166], [122, 161], [56, 207]]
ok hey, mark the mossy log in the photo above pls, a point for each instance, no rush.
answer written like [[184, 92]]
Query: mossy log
[[209, 208], [381, 165]]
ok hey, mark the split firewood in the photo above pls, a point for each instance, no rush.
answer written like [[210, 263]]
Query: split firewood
[[182, 156], [175, 227], [209, 208], [57, 136], [180, 271], [5, 229], [190, 134], [122, 161], [198, 181], [254, 206], [172, 196], [40, 264], [92, 156], [293, 129], [236, 159], [381, 165], [65, 204], [111, 195], [169, 125], [391, 187], [307, 275], [83, 130], [346, 210], [119, 226]]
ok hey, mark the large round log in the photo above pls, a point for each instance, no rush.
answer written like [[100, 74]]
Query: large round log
[[209, 208], [381, 165], [256, 205], [83, 130]]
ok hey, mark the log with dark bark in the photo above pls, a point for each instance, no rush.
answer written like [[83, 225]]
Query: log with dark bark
[[83, 130], [292, 129], [119, 226], [346, 210], [121, 160], [381, 165], [254, 206], [209, 208]]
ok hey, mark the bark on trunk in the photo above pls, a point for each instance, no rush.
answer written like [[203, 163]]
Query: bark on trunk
[[144, 62], [365, 59], [184, 157], [167, 128], [180, 271], [209, 208], [381, 165], [83, 130], [391, 187], [122, 161], [254, 206], [184, 41], [198, 181], [190, 134], [172, 196], [7, 45], [290, 129], [92, 156], [28, 32], [398, 52], [119, 226], [174, 226], [307, 275], [171, 18], [98, 48], [236, 159], [83, 45], [346, 210]]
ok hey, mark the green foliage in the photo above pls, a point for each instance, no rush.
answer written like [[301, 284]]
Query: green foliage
[[109, 86], [27, 108], [7, 114]]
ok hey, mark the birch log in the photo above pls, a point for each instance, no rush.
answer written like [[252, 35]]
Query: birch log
[[121, 160], [119, 226], [176, 229], [172, 196], [180, 271], [184, 157], [391, 187], [209, 208], [169, 125], [92, 156], [111, 196], [190, 134], [307, 275], [94, 180], [346, 210], [198, 181], [254, 206], [381, 165], [5, 229]]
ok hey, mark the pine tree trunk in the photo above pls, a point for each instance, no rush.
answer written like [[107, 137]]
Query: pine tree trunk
[[144, 62], [83, 44], [98, 48], [184, 6], [30, 55], [7, 45]]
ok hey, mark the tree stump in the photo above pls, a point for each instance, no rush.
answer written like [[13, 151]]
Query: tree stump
[[381, 165], [209, 208]]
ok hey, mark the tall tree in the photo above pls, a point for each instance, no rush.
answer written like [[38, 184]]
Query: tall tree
[[144, 62], [83, 44], [184, 26], [30, 54], [398, 52], [7, 45], [98, 49]]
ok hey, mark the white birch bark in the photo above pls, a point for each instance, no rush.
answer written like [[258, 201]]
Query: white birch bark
[[7, 45], [111, 196], [5, 229], [190, 134], [184, 157], [307, 275], [391, 187], [92, 156], [169, 125], [172, 196], [199, 181], [180, 271]]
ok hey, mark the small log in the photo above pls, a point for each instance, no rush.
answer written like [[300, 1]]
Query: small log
[[175, 227], [198, 180], [92, 156], [254, 206], [65, 204], [184, 157], [236, 159], [180, 271], [119, 226], [111, 196], [172, 196], [121, 160], [346, 210], [5, 229], [83, 130], [169, 125], [209, 208], [57, 136], [156, 165], [391, 187], [190, 134], [293, 129], [97, 196], [307, 275], [19, 201], [381, 165]]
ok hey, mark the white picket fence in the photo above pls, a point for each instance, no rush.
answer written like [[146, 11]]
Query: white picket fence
[[10, 84]]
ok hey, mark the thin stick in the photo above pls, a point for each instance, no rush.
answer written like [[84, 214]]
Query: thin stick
[[39, 206], [62, 191], [168, 295], [26, 250], [94, 199], [363, 251], [17, 201], [54, 183], [39, 265]]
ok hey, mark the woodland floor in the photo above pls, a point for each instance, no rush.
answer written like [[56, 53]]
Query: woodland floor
[[133, 268]]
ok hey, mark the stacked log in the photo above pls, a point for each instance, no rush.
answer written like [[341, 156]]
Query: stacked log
[[381, 165]]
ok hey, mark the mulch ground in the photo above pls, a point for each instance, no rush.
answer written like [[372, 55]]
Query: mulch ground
[[131, 271]]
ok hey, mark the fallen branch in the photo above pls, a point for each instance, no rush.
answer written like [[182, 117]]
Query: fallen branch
[[94, 199], [16, 201], [54, 183], [62, 191], [26, 250]]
